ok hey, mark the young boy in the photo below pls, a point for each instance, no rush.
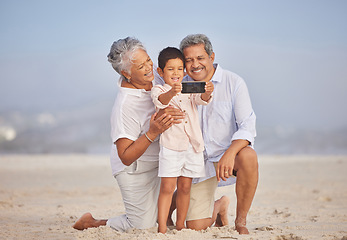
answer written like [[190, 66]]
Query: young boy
[[182, 145]]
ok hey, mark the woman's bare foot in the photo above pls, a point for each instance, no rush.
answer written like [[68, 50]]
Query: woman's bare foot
[[87, 221], [240, 226], [222, 216]]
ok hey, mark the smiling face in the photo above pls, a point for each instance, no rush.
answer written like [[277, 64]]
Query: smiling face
[[173, 71], [141, 70], [199, 64]]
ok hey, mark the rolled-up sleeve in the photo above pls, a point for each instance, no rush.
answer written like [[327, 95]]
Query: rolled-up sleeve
[[155, 93], [198, 101], [244, 114]]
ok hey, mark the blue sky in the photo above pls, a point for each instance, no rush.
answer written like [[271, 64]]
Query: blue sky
[[292, 54]]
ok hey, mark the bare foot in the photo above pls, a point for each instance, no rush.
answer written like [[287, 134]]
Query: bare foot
[[87, 221], [240, 226], [162, 229], [222, 216], [179, 227], [169, 222]]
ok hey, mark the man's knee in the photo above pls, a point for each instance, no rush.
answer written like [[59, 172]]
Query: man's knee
[[247, 159]]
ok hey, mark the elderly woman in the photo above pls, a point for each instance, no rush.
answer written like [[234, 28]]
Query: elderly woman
[[134, 132]]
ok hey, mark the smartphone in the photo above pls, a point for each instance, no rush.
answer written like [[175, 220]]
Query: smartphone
[[193, 87]]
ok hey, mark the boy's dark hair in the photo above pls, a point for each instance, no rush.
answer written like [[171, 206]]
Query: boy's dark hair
[[169, 53]]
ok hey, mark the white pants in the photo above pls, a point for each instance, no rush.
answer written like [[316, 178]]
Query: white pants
[[139, 184]]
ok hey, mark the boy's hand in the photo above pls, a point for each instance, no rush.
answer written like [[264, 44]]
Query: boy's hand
[[209, 87], [176, 88]]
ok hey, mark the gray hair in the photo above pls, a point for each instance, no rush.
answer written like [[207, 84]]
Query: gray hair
[[195, 39], [121, 54]]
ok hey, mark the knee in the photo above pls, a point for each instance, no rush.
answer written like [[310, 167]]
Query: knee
[[167, 188], [184, 188], [248, 160]]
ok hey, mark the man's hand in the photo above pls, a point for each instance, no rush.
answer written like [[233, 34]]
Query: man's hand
[[225, 166]]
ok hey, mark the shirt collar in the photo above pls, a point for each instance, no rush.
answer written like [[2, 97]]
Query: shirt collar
[[132, 91], [217, 76]]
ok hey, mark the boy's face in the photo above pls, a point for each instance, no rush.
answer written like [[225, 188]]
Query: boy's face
[[173, 71]]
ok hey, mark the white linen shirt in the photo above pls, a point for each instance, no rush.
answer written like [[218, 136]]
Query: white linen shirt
[[130, 118], [228, 117]]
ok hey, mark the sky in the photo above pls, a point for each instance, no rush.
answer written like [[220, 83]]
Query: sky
[[292, 54]]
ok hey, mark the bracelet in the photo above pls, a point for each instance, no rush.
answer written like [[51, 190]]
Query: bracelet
[[148, 138]]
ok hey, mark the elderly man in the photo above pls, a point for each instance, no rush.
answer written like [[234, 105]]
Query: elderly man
[[228, 126]]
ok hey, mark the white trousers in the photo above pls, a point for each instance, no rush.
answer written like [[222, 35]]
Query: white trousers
[[139, 184]]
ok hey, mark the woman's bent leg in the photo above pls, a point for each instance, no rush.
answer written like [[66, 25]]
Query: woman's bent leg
[[139, 184]]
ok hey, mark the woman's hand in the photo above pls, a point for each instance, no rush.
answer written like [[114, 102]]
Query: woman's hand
[[159, 124], [175, 113], [129, 151]]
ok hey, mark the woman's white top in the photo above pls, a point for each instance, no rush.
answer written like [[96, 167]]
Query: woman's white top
[[130, 118]]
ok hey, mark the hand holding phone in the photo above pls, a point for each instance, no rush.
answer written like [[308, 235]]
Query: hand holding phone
[[193, 87]]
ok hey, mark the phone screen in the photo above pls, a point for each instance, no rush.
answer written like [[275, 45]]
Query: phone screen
[[193, 87]]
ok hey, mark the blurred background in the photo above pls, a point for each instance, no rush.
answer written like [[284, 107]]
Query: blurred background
[[57, 88]]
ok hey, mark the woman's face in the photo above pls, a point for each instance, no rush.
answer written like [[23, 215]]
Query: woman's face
[[141, 69]]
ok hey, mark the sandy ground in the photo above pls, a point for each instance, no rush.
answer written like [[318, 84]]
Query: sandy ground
[[298, 197]]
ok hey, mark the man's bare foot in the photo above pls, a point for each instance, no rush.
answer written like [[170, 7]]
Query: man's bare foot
[[222, 216], [240, 226], [87, 221]]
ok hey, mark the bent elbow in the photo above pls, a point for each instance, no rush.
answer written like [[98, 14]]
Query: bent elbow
[[126, 161]]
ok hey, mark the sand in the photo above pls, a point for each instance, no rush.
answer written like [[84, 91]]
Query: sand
[[41, 196]]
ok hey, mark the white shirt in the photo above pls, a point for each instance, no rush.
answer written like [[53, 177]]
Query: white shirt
[[131, 114], [228, 117], [179, 136]]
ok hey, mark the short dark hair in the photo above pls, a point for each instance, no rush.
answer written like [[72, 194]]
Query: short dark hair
[[169, 53]]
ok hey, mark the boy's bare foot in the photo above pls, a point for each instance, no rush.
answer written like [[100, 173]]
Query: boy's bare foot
[[240, 226], [169, 222], [222, 216], [162, 229], [180, 227], [87, 221]]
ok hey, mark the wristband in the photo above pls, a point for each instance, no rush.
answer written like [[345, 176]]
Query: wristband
[[148, 138]]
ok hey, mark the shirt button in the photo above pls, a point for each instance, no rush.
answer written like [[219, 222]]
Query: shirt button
[[186, 121], [180, 100], [184, 110]]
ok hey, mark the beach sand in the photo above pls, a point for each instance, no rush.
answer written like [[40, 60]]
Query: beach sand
[[41, 196]]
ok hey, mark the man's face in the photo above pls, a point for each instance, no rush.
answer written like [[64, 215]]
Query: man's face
[[199, 65]]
